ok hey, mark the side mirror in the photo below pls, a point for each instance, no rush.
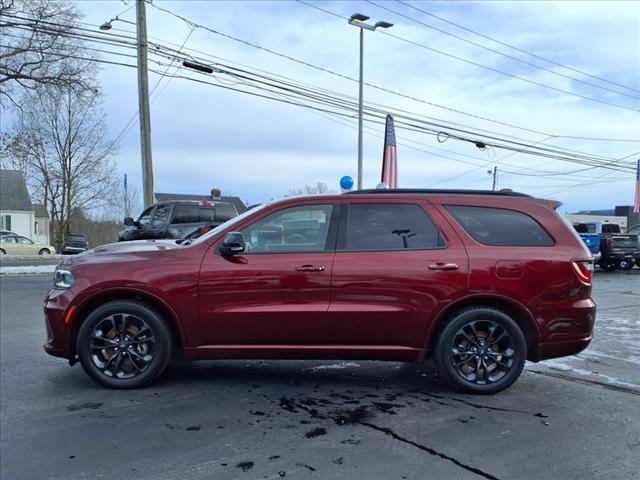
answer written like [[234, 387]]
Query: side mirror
[[232, 244], [129, 222]]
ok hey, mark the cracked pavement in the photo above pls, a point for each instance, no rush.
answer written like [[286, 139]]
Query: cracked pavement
[[575, 418]]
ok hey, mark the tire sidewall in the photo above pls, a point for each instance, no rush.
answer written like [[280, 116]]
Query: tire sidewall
[[445, 339], [153, 320]]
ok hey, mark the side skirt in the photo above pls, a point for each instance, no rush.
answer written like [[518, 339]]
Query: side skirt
[[396, 353]]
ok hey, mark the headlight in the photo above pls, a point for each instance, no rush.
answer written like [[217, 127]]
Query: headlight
[[62, 279]]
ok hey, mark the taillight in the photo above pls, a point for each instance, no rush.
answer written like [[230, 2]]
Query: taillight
[[584, 270]]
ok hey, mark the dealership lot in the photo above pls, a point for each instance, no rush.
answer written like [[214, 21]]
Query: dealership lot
[[576, 417]]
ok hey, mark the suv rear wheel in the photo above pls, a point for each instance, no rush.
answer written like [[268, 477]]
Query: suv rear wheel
[[124, 344], [480, 350]]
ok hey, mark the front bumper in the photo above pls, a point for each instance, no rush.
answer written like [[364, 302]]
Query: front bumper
[[57, 305]]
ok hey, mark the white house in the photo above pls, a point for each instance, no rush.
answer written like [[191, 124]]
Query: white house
[[17, 213]]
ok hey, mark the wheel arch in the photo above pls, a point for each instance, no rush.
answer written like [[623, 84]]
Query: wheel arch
[[92, 302], [518, 312]]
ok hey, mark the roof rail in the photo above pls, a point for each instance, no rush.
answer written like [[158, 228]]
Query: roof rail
[[501, 193]]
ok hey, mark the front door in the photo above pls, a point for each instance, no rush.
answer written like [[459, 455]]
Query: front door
[[393, 269], [277, 291]]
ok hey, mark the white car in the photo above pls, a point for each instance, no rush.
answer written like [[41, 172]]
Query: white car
[[14, 244]]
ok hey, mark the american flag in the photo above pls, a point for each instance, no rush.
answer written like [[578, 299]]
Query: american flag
[[636, 204], [389, 158]]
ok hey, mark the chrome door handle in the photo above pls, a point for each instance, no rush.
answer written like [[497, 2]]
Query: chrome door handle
[[443, 266], [310, 268]]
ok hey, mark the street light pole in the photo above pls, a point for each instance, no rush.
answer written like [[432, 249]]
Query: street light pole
[[143, 105], [358, 20]]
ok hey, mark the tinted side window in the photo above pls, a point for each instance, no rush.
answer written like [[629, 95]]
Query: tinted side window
[[161, 215], [186, 213], [391, 226], [610, 228], [500, 227], [295, 229]]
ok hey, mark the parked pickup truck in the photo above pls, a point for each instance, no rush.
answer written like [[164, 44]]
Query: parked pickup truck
[[177, 219], [617, 250], [591, 240]]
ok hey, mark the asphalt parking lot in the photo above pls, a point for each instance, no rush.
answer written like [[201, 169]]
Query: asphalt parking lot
[[571, 418]]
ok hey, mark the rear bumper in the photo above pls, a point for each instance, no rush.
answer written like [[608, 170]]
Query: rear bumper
[[562, 349], [568, 330], [74, 249], [618, 255]]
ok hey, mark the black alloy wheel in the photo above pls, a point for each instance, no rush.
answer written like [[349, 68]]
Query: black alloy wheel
[[124, 344], [480, 350]]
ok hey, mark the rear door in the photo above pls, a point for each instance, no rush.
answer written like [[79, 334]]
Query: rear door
[[397, 263]]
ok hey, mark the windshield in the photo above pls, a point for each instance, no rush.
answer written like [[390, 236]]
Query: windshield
[[229, 223]]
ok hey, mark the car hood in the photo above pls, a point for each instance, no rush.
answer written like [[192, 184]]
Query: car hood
[[121, 252]]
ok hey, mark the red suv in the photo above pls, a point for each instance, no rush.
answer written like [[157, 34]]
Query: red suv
[[480, 281]]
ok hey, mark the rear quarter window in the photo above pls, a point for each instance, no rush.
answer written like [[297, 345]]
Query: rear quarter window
[[500, 226]]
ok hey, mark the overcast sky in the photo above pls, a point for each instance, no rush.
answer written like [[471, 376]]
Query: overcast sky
[[205, 137]]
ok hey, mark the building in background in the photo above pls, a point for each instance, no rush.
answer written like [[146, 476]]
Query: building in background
[[622, 215], [17, 213]]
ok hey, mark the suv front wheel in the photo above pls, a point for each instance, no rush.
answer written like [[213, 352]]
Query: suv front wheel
[[124, 344], [480, 350]]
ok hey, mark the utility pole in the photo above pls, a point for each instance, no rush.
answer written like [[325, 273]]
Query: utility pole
[[143, 105], [360, 111], [126, 198], [495, 175]]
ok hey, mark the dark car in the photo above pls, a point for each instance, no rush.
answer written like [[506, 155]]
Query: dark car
[[479, 281], [75, 244], [177, 219]]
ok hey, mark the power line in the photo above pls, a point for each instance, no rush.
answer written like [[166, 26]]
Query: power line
[[582, 72], [346, 104], [487, 67], [497, 52], [383, 89]]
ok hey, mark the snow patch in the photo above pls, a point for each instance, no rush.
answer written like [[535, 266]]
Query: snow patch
[[556, 365], [28, 270]]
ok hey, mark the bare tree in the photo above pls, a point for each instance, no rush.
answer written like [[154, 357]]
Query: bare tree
[[60, 140], [40, 46], [317, 189]]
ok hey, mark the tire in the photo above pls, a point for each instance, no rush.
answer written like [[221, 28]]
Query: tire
[[498, 358], [44, 251], [132, 330], [2, 252], [625, 264]]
